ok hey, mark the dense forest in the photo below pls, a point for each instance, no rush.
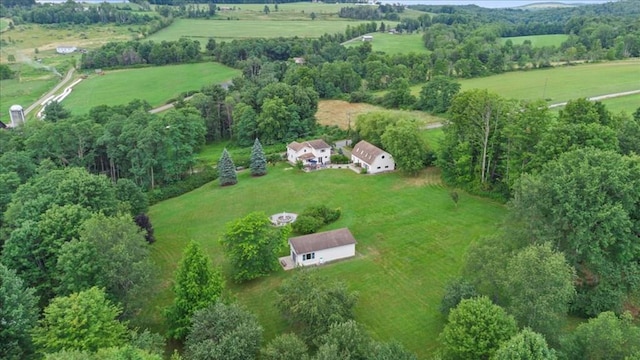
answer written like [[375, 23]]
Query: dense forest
[[76, 239]]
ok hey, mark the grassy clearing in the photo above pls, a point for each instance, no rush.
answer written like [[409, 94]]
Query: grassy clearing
[[560, 84], [24, 39], [244, 29], [288, 11], [628, 104], [410, 243], [24, 91], [4, 24], [537, 40], [153, 84], [343, 113], [394, 44], [433, 138]]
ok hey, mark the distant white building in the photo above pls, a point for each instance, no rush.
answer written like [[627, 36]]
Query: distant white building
[[320, 248], [372, 158], [66, 49], [367, 38], [312, 152]]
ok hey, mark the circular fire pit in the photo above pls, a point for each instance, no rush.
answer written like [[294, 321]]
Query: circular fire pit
[[283, 218]]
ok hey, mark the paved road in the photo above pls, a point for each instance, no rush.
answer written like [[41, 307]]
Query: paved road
[[52, 92], [437, 125]]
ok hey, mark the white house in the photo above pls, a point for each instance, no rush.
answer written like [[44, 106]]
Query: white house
[[372, 158], [367, 38], [65, 49], [310, 152], [319, 248]]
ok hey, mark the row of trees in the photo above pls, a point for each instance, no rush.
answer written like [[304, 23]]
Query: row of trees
[[76, 13], [129, 53]]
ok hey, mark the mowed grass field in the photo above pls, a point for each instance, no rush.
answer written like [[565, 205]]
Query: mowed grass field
[[153, 84], [537, 40], [411, 241], [224, 30], [628, 104], [394, 43], [562, 83]]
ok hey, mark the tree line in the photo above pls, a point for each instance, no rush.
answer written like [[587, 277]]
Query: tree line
[[131, 53], [76, 13]]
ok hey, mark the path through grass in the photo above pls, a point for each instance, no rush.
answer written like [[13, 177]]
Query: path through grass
[[411, 240], [153, 84]]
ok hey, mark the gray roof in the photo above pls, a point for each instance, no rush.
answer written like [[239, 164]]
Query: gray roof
[[366, 152], [320, 241], [314, 144]]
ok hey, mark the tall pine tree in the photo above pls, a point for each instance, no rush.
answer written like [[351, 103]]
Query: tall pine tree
[[258, 160], [197, 286], [227, 170]]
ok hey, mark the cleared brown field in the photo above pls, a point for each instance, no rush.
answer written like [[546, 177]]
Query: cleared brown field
[[343, 113]]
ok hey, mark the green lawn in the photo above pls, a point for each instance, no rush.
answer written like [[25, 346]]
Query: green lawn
[[538, 40], [628, 104], [433, 137], [561, 84], [411, 241], [4, 23], [153, 84], [242, 29], [394, 44]]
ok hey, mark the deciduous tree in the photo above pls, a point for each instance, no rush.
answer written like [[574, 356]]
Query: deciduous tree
[[18, 316], [604, 337], [252, 245], [285, 347], [403, 141], [476, 328], [312, 303], [223, 332], [436, 96], [80, 321], [525, 345], [197, 286], [539, 287]]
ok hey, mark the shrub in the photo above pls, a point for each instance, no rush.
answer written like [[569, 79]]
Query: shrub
[[323, 213], [306, 224], [339, 159], [193, 182]]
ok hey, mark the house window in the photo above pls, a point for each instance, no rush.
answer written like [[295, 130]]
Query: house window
[[322, 150], [383, 156], [309, 256], [386, 167], [378, 167]]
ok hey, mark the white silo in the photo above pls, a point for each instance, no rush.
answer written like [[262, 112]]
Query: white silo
[[16, 113]]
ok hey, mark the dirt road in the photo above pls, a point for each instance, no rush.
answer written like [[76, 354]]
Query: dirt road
[[62, 83]]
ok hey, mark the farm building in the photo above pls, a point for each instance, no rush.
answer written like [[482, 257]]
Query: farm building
[[367, 38], [65, 49], [310, 152], [319, 248], [372, 158], [16, 114]]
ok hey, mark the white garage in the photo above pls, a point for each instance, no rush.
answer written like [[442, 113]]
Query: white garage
[[319, 248]]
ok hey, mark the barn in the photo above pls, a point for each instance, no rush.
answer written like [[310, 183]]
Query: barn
[[323, 247]]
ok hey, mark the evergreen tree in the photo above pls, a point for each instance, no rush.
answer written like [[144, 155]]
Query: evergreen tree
[[227, 170], [197, 286], [258, 160]]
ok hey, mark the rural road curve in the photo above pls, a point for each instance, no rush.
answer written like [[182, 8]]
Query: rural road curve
[[437, 125], [225, 85], [50, 93]]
